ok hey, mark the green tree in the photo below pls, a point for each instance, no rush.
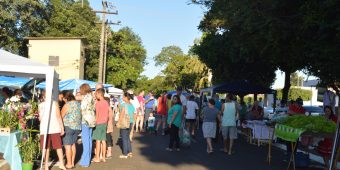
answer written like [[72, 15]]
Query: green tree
[[272, 31], [68, 18], [322, 23], [295, 79], [181, 69], [125, 59], [156, 85], [19, 19]]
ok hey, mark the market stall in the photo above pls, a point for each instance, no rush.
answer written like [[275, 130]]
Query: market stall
[[14, 65], [73, 84], [303, 128]]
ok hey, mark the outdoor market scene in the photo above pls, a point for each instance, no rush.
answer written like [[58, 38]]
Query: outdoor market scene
[[190, 84]]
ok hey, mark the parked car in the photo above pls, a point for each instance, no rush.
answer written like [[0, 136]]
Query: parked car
[[310, 111]]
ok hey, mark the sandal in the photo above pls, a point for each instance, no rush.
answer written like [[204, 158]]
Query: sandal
[[95, 161], [123, 156]]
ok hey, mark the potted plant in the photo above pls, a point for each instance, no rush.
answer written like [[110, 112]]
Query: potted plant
[[9, 118], [29, 148]]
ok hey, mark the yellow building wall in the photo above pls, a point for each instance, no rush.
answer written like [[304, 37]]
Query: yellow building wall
[[70, 51]]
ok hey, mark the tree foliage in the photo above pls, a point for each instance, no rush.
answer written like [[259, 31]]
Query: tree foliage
[[19, 19], [126, 58], [68, 18], [156, 85], [295, 93], [295, 79], [181, 69], [289, 35]]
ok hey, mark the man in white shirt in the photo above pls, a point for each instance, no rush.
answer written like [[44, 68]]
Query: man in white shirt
[[179, 90], [329, 99], [190, 115]]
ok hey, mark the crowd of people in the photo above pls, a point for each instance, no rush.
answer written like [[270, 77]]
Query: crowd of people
[[92, 115]]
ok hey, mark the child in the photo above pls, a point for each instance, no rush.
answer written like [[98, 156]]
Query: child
[[109, 131], [151, 123], [99, 133]]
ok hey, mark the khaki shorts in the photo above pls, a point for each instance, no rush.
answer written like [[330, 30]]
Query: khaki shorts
[[229, 132]]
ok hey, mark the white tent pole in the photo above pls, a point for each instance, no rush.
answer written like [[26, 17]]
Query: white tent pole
[[50, 83], [35, 83]]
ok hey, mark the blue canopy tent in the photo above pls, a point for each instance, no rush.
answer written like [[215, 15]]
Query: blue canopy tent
[[15, 82], [73, 84], [174, 92]]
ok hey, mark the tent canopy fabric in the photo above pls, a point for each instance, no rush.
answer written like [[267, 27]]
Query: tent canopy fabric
[[16, 82], [174, 92], [73, 84], [115, 91], [15, 65], [239, 88]]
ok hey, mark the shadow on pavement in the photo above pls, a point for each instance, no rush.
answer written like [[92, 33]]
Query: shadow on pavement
[[245, 156]]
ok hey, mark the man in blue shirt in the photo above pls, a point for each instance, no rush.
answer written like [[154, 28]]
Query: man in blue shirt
[[149, 102], [218, 104]]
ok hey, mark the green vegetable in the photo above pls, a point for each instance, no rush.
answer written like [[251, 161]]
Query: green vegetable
[[309, 123]]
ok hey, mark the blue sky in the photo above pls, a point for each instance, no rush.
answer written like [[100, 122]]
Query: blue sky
[[161, 23]]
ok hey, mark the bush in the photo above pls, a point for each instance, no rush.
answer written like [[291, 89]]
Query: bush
[[294, 93]]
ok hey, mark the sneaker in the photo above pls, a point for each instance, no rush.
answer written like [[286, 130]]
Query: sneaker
[[178, 149], [169, 149], [163, 133]]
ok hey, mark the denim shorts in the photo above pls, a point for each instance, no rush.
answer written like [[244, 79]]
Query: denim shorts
[[70, 136], [161, 117]]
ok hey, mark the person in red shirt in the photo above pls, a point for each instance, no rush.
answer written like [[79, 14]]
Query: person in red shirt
[[162, 112], [325, 146], [140, 114], [296, 108], [99, 133]]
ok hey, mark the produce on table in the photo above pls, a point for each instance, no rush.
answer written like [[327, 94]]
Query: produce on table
[[309, 123]]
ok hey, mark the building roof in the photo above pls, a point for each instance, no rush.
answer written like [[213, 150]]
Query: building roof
[[311, 83], [83, 39]]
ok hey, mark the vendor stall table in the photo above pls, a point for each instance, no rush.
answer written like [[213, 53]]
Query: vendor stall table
[[8, 146], [290, 134]]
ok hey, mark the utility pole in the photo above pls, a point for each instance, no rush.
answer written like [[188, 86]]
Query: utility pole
[[102, 40], [108, 34]]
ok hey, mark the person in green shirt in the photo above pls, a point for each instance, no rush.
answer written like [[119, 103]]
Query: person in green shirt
[[174, 121]]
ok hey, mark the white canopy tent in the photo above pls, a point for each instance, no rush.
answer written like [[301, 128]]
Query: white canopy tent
[[115, 91], [14, 65]]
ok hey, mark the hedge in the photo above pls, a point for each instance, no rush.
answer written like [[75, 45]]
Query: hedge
[[294, 93]]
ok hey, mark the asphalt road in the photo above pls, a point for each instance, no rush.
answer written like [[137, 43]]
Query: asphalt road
[[150, 154]]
